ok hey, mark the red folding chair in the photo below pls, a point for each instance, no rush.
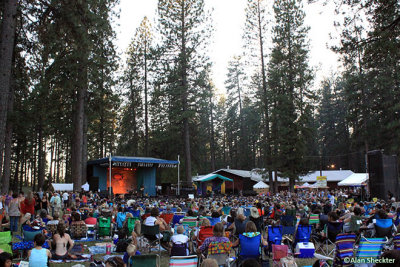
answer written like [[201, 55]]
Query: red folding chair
[[279, 252]]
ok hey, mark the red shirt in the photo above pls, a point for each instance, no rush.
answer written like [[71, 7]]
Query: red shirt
[[28, 207]]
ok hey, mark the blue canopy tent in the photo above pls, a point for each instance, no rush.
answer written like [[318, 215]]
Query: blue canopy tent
[[127, 173], [212, 181]]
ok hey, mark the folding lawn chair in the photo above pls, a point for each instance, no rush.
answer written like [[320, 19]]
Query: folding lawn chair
[[288, 220], [249, 247], [313, 219], [185, 261], [275, 234], [214, 221], [190, 221], [180, 249], [226, 210], [303, 234], [383, 228], [131, 224], [370, 248], [279, 252], [5, 241], [396, 241], [145, 260], [220, 252], [176, 218], [152, 234], [104, 227], [167, 217], [344, 248], [186, 229], [332, 229], [204, 232]]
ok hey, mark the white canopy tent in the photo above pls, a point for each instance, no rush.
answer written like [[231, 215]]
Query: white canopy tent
[[63, 187], [260, 185], [356, 179], [68, 187]]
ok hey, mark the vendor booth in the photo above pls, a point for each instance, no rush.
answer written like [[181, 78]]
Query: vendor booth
[[356, 179], [261, 187], [211, 183], [127, 174]]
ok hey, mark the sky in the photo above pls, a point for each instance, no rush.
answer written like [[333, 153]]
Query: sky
[[229, 19]]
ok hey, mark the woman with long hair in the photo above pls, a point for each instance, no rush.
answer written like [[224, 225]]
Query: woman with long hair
[[60, 243]]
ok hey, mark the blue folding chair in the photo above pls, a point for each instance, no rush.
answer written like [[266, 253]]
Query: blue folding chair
[[303, 234], [383, 228], [249, 247], [370, 248], [214, 221], [275, 234], [176, 219]]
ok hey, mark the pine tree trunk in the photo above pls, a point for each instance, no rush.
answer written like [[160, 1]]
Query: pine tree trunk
[[8, 140], [84, 149], [7, 35], [146, 119], [41, 156], [14, 185], [212, 146]]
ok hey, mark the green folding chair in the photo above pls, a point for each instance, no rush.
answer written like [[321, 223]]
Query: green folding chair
[[152, 234], [131, 224], [104, 227], [144, 260], [5, 241]]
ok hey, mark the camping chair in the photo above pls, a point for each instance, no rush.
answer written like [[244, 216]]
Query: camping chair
[[186, 261], [52, 228], [303, 234], [275, 234], [214, 221], [167, 217], [152, 234], [5, 241], [176, 218], [78, 231], [180, 249], [279, 252], [30, 235], [288, 220], [396, 242], [145, 260], [249, 247], [190, 221], [383, 228], [103, 226], [226, 210], [344, 248], [370, 248], [204, 232], [313, 219], [131, 224], [332, 229], [91, 231], [135, 213], [220, 252]]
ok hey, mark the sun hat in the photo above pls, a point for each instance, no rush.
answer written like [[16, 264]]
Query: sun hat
[[254, 212]]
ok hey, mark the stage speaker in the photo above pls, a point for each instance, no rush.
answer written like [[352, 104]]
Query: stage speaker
[[93, 183], [383, 175]]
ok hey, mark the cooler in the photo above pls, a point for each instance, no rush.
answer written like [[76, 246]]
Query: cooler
[[305, 250]]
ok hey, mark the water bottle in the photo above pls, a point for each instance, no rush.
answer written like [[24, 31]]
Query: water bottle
[[108, 249]]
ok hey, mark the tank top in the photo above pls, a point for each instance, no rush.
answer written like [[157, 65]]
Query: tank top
[[13, 209], [38, 257], [150, 221]]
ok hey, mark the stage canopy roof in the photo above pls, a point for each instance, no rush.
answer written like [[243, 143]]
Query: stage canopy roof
[[356, 179], [63, 187], [146, 162], [210, 177], [260, 185]]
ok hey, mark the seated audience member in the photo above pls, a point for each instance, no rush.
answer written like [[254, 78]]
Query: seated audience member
[[60, 243], [218, 237], [250, 263], [179, 243], [5, 259], [39, 256]]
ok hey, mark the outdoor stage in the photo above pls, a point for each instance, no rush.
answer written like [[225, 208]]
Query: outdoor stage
[[128, 174]]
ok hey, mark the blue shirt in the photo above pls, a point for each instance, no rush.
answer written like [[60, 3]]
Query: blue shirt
[[38, 258]]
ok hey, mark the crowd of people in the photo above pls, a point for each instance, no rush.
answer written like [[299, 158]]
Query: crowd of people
[[218, 220]]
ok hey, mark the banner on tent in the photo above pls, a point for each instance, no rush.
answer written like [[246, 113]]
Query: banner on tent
[[321, 181]]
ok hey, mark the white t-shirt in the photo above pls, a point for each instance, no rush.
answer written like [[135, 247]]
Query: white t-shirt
[[65, 196], [150, 221], [179, 239]]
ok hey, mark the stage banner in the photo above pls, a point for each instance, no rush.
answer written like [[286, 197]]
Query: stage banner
[[321, 181]]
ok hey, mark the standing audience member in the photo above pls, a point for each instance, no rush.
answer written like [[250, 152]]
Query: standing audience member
[[13, 212]]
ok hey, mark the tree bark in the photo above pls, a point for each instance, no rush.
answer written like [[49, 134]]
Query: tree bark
[[41, 155], [146, 119], [7, 35], [8, 140]]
